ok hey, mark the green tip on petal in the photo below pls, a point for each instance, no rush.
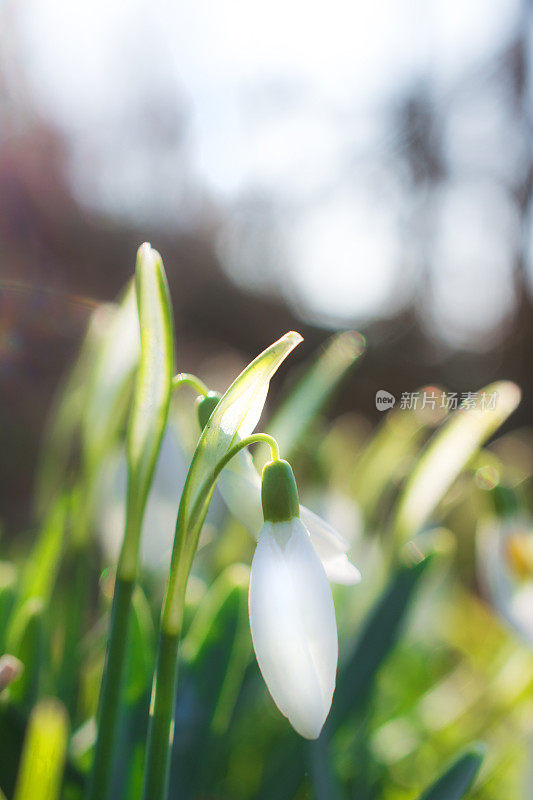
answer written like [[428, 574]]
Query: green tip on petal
[[279, 494], [205, 407]]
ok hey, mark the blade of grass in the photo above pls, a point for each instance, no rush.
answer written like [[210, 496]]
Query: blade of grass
[[26, 641], [65, 417], [215, 652], [376, 640], [447, 454], [109, 382], [145, 431], [41, 566], [397, 437], [8, 590], [457, 780], [43, 757]]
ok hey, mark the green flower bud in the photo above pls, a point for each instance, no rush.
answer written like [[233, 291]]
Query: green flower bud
[[279, 494], [205, 407]]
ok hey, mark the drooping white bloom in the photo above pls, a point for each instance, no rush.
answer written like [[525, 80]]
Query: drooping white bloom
[[505, 560], [240, 486], [292, 620]]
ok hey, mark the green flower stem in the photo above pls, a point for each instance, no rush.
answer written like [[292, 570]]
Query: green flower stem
[[109, 703], [76, 603], [253, 439], [160, 731], [77, 599], [187, 379], [114, 667]]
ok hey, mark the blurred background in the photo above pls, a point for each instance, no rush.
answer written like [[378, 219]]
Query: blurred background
[[308, 166]]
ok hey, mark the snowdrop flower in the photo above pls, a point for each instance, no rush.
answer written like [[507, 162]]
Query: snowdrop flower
[[292, 618], [240, 486], [505, 559]]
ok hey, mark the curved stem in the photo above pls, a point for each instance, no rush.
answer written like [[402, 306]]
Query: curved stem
[[188, 527], [188, 379], [253, 439], [198, 510]]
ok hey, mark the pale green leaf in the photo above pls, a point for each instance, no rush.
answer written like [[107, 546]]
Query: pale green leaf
[[153, 388], [154, 377], [40, 568], [67, 411], [448, 453], [397, 437], [237, 413], [110, 381], [44, 753], [458, 778]]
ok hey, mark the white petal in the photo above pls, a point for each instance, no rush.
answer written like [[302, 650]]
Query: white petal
[[240, 486], [292, 620], [512, 597], [331, 548]]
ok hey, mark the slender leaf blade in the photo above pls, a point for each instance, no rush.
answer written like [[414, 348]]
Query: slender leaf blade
[[154, 377], [110, 378], [153, 387], [42, 565], [43, 757], [447, 454], [379, 635], [457, 780], [65, 419], [216, 653], [26, 641]]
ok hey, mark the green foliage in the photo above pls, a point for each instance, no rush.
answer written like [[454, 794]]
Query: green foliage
[[448, 453], [457, 780], [425, 667], [43, 757]]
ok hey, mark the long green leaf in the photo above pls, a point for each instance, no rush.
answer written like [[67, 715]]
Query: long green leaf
[[8, 590], [152, 392], [457, 780], [26, 642], [141, 648], [397, 436], [294, 416], [146, 426], [67, 411], [447, 454], [43, 757], [41, 567], [378, 637], [216, 652], [109, 383]]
